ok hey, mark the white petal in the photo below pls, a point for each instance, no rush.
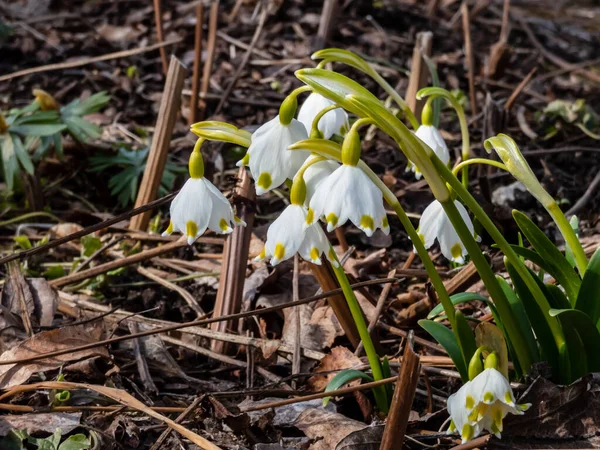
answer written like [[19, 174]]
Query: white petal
[[328, 198], [333, 122], [432, 137], [286, 234], [315, 243], [222, 217], [315, 174], [491, 386], [269, 153], [193, 204], [429, 223], [364, 201]]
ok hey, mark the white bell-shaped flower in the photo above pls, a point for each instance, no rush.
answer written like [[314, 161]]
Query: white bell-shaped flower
[[332, 122], [435, 224], [460, 408], [287, 236], [349, 194], [270, 161], [316, 173], [433, 138], [198, 206], [493, 399]]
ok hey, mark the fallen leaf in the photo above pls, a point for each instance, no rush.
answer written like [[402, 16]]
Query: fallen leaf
[[368, 438], [340, 358], [44, 422], [45, 342], [327, 324], [64, 229], [326, 427], [117, 34]]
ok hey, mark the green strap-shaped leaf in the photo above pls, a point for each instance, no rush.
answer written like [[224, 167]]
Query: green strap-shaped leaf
[[588, 300], [587, 331], [446, 338], [342, 378], [22, 154], [537, 318], [466, 337], [557, 265], [557, 297], [463, 297], [10, 164], [221, 131]]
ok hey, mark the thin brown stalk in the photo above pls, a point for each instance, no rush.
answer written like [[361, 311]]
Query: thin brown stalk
[[197, 61], [419, 72], [210, 54], [87, 60], [160, 34], [180, 418], [466, 23]]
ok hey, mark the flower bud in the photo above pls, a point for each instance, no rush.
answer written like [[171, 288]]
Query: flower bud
[[287, 110], [351, 148], [46, 101]]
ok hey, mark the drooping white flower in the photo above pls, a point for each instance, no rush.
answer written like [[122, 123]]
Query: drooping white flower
[[270, 161], [316, 173], [332, 122], [349, 194], [432, 137], [435, 224], [460, 407], [288, 235], [493, 399], [198, 206]]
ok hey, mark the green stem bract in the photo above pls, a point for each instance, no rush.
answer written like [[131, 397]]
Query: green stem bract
[[462, 119], [569, 235], [510, 254], [315, 123], [363, 331], [489, 162]]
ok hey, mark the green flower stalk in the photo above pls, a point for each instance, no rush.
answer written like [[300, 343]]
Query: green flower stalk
[[508, 151]]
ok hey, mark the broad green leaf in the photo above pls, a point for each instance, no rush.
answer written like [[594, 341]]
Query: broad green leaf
[[87, 106], [81, 129], [342, 378], [537, 318], [520, 316], [588, 300], [76, 442], [22, 154], [23, 242], [37, 118], [489, 335], [446, 338], [38, 129], [557, 297], [558, 266], [222, 131], [463, 297], [90, 245], [574, 222], [466, 337], [587, 331]]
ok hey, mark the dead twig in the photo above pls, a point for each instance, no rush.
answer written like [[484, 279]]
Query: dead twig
[[112, 265], [87, 60], [466, 23], [210, 54], [395, 427], [197, 61], [165, 434], [157, 158], [418, 71], [261, 22], [160, 35], [522, 85], [585, 198]]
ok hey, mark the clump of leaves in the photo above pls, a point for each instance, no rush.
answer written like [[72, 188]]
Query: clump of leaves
[[132, 163], [27, 134], [559, 113], [14, 441]]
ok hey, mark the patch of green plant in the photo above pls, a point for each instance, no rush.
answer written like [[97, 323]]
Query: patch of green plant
[[560, 113], [14, 440], [130, 164]]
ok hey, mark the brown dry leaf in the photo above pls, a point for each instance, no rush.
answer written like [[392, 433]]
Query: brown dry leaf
[[327, 427], [339, 358], [121, 397], [45, 342], [118, 34], [35, 423], [324, 319], [64, 229]]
